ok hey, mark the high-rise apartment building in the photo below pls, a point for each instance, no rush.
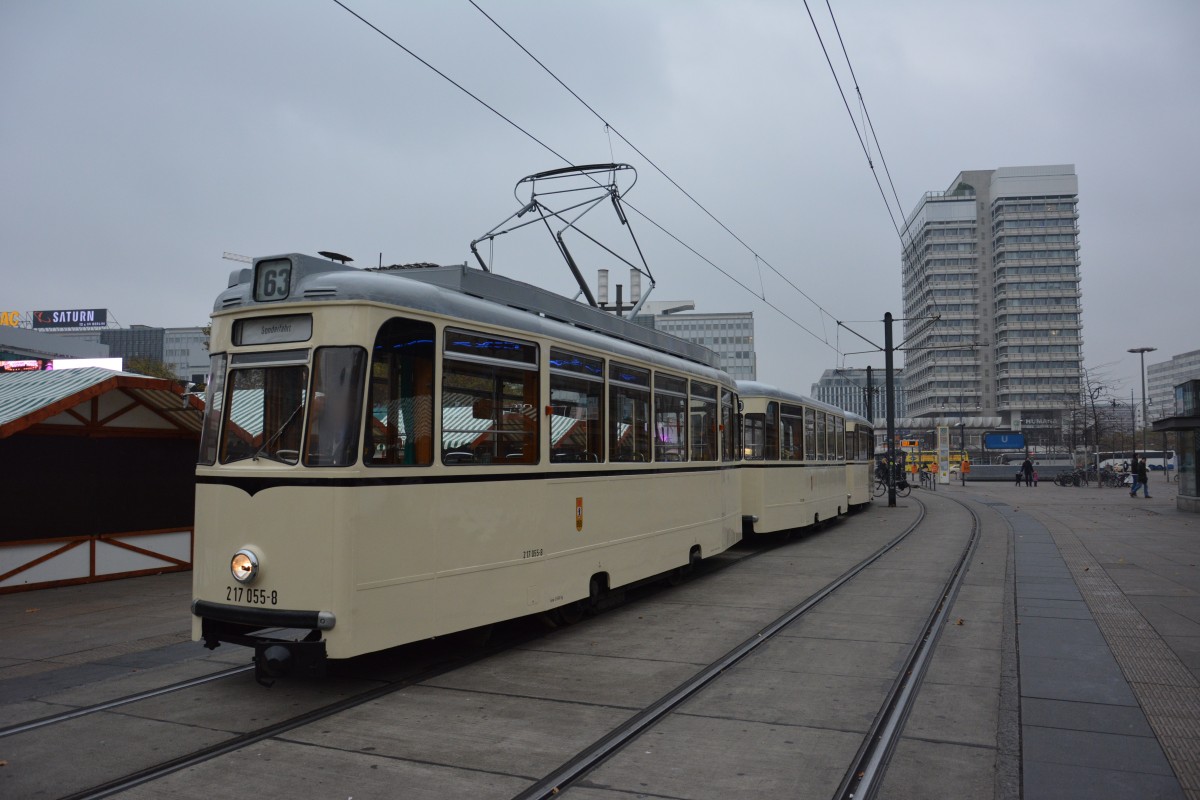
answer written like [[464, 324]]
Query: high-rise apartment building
[[992, 299]]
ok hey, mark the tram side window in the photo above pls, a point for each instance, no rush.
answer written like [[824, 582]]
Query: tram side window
[[704, 421], [334, 415], [670, 418], [399, 428], [810, 435], [791, 432], [263, 412], [771, 433], [214, 401], [629, 413], [489, 400], [576, 408], [754, 425], [839, 437], [729, 428]]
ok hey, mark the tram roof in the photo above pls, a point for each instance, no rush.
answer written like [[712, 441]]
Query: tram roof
[[478, 296], [755, 388]]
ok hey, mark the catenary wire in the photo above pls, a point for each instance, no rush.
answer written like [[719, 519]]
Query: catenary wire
[[610, 127], [565, 160]]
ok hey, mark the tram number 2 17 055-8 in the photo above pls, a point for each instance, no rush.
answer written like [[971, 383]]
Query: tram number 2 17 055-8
[[251, 597]]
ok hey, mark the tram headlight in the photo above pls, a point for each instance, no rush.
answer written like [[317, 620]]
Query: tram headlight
[[244, 566]]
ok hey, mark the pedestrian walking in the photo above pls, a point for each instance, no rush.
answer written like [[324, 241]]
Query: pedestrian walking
[[1035, 478], [1141, 478], [1027, 471]]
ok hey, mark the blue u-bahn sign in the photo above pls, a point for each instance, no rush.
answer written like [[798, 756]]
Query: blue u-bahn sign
[[1004, 440]]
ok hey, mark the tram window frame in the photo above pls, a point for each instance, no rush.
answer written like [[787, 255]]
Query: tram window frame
[[577, 386], [822, 428], [839, 437], [702, 412], [729, 427], [629, 403], [670, 418], [331, 429], [791, 430], [282, 394], [400, 384], [506, 372], [214, 404], [810, 434], [754, 434]]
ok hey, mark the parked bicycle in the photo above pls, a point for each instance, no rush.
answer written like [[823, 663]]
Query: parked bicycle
[[903, 487]]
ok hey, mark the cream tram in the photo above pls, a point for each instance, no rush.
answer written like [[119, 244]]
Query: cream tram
[[392, 455], [860, 461], [800, 459]]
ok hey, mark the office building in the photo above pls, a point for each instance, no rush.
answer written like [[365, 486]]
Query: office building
[[847, 389], [729, 335], [992, 300], [1162, 378]]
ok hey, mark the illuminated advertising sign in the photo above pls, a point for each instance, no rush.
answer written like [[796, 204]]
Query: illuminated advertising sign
[[79, 363], [75, 318], [22, 365]]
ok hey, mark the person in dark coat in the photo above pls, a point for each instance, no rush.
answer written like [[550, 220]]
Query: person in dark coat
[[1027, 471], [1141, 478]]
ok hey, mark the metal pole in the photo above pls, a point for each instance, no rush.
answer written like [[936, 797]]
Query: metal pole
[[890, 405], [1141, 351]]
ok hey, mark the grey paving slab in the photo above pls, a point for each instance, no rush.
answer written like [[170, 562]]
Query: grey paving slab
[[1108, 751], [836, 702], [466, 730], [964, 666], [1062, 609], [570, 677], [1096, 717], [104, 746], [921, 770], [279, 769], [1093, 677], [1043, 781], [705, 758], [951, 712], [792, 652], [1051, 636]]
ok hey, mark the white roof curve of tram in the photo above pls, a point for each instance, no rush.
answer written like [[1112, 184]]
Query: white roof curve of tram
[[392, 289], [756, 389]]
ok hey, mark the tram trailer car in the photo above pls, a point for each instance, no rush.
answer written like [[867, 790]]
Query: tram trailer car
[[797, 470], [860, 465], [387, 456]]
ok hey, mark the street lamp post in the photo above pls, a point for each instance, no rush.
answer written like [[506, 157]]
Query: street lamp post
[[1141, 351]]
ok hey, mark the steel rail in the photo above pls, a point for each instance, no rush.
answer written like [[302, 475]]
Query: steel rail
[[588, 759], [863, 779], [83, 711]]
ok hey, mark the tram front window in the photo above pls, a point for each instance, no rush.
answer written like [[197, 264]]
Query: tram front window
[[333, 414], [264, 414]]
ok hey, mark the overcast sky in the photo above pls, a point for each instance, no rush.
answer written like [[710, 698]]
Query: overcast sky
[[141, 140]]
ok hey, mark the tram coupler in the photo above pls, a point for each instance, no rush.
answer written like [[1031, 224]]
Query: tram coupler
[[275, 659]]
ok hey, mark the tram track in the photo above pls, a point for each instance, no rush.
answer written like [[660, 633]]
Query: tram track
[[863, 777]]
